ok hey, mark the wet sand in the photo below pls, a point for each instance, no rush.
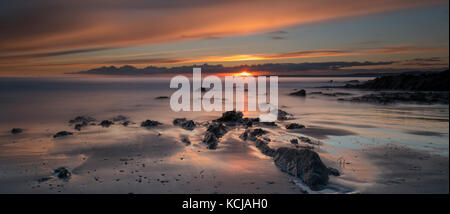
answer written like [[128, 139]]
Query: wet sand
[[352, 138]]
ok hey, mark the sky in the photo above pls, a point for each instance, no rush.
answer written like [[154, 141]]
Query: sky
[[51, 38]]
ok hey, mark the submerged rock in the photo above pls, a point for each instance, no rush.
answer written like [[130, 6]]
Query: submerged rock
[[106, 123], [300, 93], [295, 126], [62, 133], [304, 164], [62, 173], [16, 130], [185, 124], [150, 123]]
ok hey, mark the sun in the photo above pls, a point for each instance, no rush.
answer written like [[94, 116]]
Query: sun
[[243, 74]]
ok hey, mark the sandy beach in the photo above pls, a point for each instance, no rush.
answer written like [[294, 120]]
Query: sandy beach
[[400, 148]]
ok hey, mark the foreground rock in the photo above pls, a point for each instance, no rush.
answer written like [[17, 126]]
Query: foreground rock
[[304, 164], [264, 148], [252, 134], [214, 132], [62, 173], [62, 134], [150, 123], [402, 97], [299, 93], [185, 124], [16, 130], [424, 81]]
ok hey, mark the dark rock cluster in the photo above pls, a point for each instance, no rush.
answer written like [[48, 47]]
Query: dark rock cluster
[[185, 124], [150, 123]]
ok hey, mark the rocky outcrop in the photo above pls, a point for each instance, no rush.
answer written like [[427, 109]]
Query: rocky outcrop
[[62, 173], [299, 93], [282, 115], [106, 123], [402, 97], [264, 148], [81, 121], [231, 116], [16, 130], [185, 124], [62, 134], [214, 132], [304, 164], [252, 134], [425, 81], [294, 126], [150, 123]]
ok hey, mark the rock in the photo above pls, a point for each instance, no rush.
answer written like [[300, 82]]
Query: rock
[[295, 126], [424, 81], [402, 97], [119, 118], [162, 97], [62, 173], [150, 123], [213, 133], [264, 148], [78, 127], [62, 133], [333, 171], [300, 93], [185, 124], [126, 123], [231, 116], [268, 123], [251, 134], [307, 140], [294, 141], [282, 115], [82, 120], [16, 130], [106, 123], [185, 140], [211, 140], [304, 164], [218, 129]]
